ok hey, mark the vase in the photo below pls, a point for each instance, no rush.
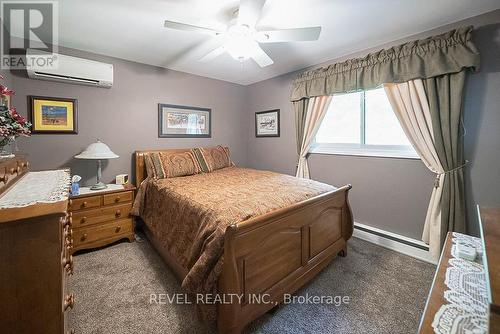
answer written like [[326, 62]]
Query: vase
[[6, 148]]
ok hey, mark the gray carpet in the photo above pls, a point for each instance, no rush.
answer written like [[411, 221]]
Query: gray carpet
[[387, 292]]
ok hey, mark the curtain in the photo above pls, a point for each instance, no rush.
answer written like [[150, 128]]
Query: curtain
[[308, 116], [445, 97], [447, 53], [430, 111]]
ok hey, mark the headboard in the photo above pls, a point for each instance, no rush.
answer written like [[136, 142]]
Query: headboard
[[140, 164]]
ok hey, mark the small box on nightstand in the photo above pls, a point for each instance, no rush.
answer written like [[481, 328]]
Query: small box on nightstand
[[100, 217]]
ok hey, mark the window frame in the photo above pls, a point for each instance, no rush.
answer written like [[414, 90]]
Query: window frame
[[363, 149]]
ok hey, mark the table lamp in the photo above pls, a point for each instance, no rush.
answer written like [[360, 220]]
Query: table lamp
[[97, 151]]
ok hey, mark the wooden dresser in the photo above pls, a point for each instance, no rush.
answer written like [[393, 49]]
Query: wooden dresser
[[35, 242], [480, 279], [490, 233], [102, 217]]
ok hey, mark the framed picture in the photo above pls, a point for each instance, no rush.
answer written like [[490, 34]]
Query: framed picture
[[267, 123], [53, 115], [183, 122]]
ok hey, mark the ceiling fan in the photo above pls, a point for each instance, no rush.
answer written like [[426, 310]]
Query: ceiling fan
[[241, 39]]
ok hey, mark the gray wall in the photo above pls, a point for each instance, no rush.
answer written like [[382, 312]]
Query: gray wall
[[125, 117], [393, 194], [7, 81]]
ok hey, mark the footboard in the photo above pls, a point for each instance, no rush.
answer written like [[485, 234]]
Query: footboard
[[275, 254]]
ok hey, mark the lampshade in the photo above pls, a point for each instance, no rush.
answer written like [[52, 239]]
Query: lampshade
[[97, 151]]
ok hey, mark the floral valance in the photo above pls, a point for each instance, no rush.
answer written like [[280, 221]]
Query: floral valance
[[447, 53]]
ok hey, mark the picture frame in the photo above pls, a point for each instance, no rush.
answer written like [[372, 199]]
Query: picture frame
[[53, 115], [267, 123], [176, 121]]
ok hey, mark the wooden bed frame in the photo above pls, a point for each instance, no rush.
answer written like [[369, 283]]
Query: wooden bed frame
[[273, 254]]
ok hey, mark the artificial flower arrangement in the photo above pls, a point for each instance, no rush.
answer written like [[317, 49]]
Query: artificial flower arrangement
[[12, 125]]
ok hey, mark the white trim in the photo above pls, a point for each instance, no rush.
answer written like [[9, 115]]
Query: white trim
[[400, 247], [385, 151]]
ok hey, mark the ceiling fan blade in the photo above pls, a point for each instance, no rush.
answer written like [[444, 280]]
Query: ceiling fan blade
[[189, 27], [250, 11], [288, 35], [260, 56], [212, 54]]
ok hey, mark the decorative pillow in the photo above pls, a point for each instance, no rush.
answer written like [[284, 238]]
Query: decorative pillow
[[201, 160], [150, 168], [213, 158], [166, 165]]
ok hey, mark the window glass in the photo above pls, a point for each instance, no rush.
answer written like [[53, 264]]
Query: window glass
[[362, 123], [381, 124], [342, 120]]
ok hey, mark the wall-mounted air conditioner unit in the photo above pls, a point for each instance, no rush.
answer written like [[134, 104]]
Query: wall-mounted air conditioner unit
[[70, 70]]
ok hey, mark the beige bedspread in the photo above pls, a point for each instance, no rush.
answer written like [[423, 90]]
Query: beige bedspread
[[189, 215]]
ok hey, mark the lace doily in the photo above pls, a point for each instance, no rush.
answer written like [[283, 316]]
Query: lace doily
[[37, 187], [467, 297]]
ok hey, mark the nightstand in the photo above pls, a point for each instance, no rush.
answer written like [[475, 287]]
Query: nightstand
[[101, 217]]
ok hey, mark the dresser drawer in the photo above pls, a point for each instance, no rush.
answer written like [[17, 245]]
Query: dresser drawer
[[94, 216], [92, 234], [11, 170], [85, 202], [121, 197]]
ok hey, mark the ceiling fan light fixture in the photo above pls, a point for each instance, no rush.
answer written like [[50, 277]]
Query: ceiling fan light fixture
[[239, 48], [242, 40], [239, 44]]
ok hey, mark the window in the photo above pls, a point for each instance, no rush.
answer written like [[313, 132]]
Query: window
[[362, 123]]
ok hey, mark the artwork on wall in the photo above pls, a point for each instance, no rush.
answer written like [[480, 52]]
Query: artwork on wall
[[267, 123], [53, 115], [183, 122]]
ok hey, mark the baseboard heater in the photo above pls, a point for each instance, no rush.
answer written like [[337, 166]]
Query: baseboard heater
[[392, 237], [393, 241]]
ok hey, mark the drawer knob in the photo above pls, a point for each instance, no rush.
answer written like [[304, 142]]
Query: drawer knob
[[118, 229], [118, 213], [69, 301], [83, 220], [117, 199], [84, 204], [84, 237]]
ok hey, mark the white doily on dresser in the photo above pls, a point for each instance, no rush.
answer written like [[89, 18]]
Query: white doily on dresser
[[37, 187], [467, 297]]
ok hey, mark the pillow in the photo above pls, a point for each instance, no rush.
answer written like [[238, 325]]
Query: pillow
[[150, 168], [164, 165], [213, 158]]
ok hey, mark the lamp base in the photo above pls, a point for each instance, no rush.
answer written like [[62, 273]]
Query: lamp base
[[98, 186]]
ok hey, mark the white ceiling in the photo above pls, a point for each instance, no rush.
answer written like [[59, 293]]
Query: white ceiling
[[133, 30]]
